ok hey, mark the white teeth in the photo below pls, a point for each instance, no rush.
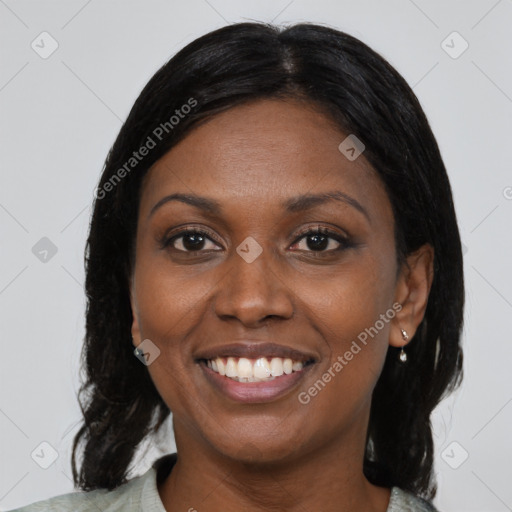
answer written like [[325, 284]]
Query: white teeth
[[221, 367], [276, 367], [249, 370], [244, 368], [297, 366], [261, 368], [231, 368]]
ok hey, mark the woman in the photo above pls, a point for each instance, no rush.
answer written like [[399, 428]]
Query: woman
[[274, 232]]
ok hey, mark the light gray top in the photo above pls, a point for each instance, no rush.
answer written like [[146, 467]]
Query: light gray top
[[140, 494]]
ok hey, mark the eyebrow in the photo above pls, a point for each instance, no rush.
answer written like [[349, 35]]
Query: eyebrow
[[308, 201], [295, 204]]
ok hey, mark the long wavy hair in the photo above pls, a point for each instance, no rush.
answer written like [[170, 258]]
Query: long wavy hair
[[364, 95]]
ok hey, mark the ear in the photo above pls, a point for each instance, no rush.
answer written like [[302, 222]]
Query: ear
[[136, 337], [412, 292]]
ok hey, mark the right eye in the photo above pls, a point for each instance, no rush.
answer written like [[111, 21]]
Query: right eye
[[189, 240]]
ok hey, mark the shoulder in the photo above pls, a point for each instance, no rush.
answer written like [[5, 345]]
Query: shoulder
[[127, 497], [404, 501]]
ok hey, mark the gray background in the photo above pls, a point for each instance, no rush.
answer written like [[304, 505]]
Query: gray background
[[59, 117]]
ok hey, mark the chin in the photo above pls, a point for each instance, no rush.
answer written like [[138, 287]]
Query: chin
[[266, 449]]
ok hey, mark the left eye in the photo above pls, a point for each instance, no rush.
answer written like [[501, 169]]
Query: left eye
[[318, 240]]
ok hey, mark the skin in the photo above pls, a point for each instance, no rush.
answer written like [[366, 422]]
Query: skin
[[281, 455]]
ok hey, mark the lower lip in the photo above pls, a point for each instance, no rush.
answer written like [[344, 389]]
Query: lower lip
[[255, 392]]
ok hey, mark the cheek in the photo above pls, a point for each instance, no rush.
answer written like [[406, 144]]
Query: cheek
[[352, 311], [350, 299], [169, 307], [169, 302]]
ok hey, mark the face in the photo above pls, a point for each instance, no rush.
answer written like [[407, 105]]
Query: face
[[264, 253]]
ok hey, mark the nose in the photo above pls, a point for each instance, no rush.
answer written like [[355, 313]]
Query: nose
[[253, 292]]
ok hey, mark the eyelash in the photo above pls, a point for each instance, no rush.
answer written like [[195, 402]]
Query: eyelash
[[344, 242]]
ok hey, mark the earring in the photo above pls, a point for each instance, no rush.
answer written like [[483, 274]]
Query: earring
[[137, 352], [403, 355]]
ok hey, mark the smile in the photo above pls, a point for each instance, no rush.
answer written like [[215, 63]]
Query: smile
[[263, 369]]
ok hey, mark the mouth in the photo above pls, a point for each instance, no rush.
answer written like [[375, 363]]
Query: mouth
[[256, 372]]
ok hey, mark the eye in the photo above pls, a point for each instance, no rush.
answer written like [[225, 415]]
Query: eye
[[319, 239], [190, 240]]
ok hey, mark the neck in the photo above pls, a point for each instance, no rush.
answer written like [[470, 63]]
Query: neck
[[330, 479]]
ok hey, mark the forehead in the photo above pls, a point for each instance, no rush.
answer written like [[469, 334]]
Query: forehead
[[267, 150]]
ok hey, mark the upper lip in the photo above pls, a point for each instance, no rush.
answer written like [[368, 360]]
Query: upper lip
[[254, 350]]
